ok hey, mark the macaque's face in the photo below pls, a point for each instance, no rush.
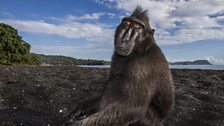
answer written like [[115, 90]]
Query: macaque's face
[[129, 34]]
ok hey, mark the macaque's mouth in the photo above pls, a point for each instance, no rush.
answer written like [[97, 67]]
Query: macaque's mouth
[[123, 49]]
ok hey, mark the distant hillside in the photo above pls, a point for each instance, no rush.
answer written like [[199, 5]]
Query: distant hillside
[[64, 60], [196, 62]]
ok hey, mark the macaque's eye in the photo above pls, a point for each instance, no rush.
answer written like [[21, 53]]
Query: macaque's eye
[[137, 26], [128, 22]]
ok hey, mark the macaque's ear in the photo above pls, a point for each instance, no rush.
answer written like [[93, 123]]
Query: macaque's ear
[[152, 31]]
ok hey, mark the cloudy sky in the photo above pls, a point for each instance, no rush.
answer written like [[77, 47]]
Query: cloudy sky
[[185, 29]]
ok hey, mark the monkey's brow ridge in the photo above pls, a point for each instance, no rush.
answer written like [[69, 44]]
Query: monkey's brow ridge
[[134, 20]]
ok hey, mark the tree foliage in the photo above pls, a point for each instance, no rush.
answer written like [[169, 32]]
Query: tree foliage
[[14, 50]]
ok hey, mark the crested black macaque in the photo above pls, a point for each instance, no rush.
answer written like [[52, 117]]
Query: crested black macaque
[[140, 89]]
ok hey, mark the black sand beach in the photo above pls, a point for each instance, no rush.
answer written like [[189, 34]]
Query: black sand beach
[[44, 95]]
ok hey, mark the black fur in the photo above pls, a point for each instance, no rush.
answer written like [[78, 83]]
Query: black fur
[[139, 91]]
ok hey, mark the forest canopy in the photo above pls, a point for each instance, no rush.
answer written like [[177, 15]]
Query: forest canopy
[[14, 50]]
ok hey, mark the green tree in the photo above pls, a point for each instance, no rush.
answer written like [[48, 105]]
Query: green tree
[[14, 50]]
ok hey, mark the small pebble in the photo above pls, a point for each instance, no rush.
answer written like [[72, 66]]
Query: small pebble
[[14, 108]]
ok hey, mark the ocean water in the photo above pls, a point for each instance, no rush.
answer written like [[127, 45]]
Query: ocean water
[[95, 66], [202, 67]]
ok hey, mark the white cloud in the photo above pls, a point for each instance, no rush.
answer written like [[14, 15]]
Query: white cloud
[[181, 21], [98, 37], [93, 16], [175, 22], [111, 15], [72, 30], [220, 18], [108, 3], [214, 60], [70, 27]]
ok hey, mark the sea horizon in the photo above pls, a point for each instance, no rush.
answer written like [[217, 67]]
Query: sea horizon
[[202, 67]]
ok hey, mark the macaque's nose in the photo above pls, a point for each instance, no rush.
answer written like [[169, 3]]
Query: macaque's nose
[[124, 41], [127, 35]]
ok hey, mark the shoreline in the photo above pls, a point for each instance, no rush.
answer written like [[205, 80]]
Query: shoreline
[[191, 67]]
